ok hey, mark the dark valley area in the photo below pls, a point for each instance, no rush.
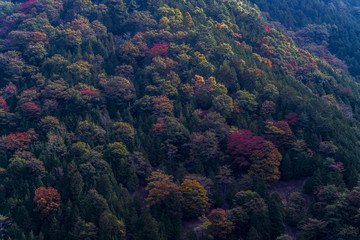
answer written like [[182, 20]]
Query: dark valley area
[[179, 120]]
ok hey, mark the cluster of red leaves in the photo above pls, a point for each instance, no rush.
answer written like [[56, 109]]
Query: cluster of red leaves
[[31, 110], [25, 5], [220, 226], [46, 200], [338, 167], [159, 49], [20, 140], [87, 92], [10, 89], [292, 119], [3, 104], [354, 198], [314, 62], [302, 52], [292, 67], [158, 127], [241, 145]]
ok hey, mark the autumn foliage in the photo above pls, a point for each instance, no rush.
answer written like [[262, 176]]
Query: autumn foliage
[[159, 49], [241, 145], [205, 90], [292, 119], [31, 110], [20, 140], [220, 227], [160, 187], [162, 106], [195, 200], [46, 200], [3, 104], [279, 133], [201, 85], [266, 162]]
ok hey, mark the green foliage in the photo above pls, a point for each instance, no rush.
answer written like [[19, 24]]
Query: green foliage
[[96, 95]]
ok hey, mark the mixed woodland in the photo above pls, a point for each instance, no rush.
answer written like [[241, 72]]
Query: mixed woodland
[[165, 119], [329, 29]]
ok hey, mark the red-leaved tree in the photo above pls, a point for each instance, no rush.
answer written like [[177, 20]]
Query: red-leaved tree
[[20, 140], [46, 200], [159, 49], [292, 119], [220, 227], [162, 106], [241, 145], [31, 110], [3, 104]]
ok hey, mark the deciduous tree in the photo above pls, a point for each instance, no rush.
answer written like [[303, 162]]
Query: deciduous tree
[[195, 200], [46, 200], [20, 140], [220, 227], [3, 104], [242, 144], [162, 106], [160, 189], [279, 133], [266, 162]]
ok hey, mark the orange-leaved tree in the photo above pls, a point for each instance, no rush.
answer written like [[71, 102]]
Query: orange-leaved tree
[[266, 162], [220, 227], [160, 188], [46, 200]]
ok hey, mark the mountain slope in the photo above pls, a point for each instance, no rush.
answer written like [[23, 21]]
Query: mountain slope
[[336, 19], [131, 119]]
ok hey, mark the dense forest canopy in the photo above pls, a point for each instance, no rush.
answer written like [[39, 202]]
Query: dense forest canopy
[[163, 119], [332, 24]]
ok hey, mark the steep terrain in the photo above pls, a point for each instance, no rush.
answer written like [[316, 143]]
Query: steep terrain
[[329, 25], [169, 120]]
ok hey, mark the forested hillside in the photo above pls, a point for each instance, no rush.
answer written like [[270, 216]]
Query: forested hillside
[[164, 119], [324, 24]]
